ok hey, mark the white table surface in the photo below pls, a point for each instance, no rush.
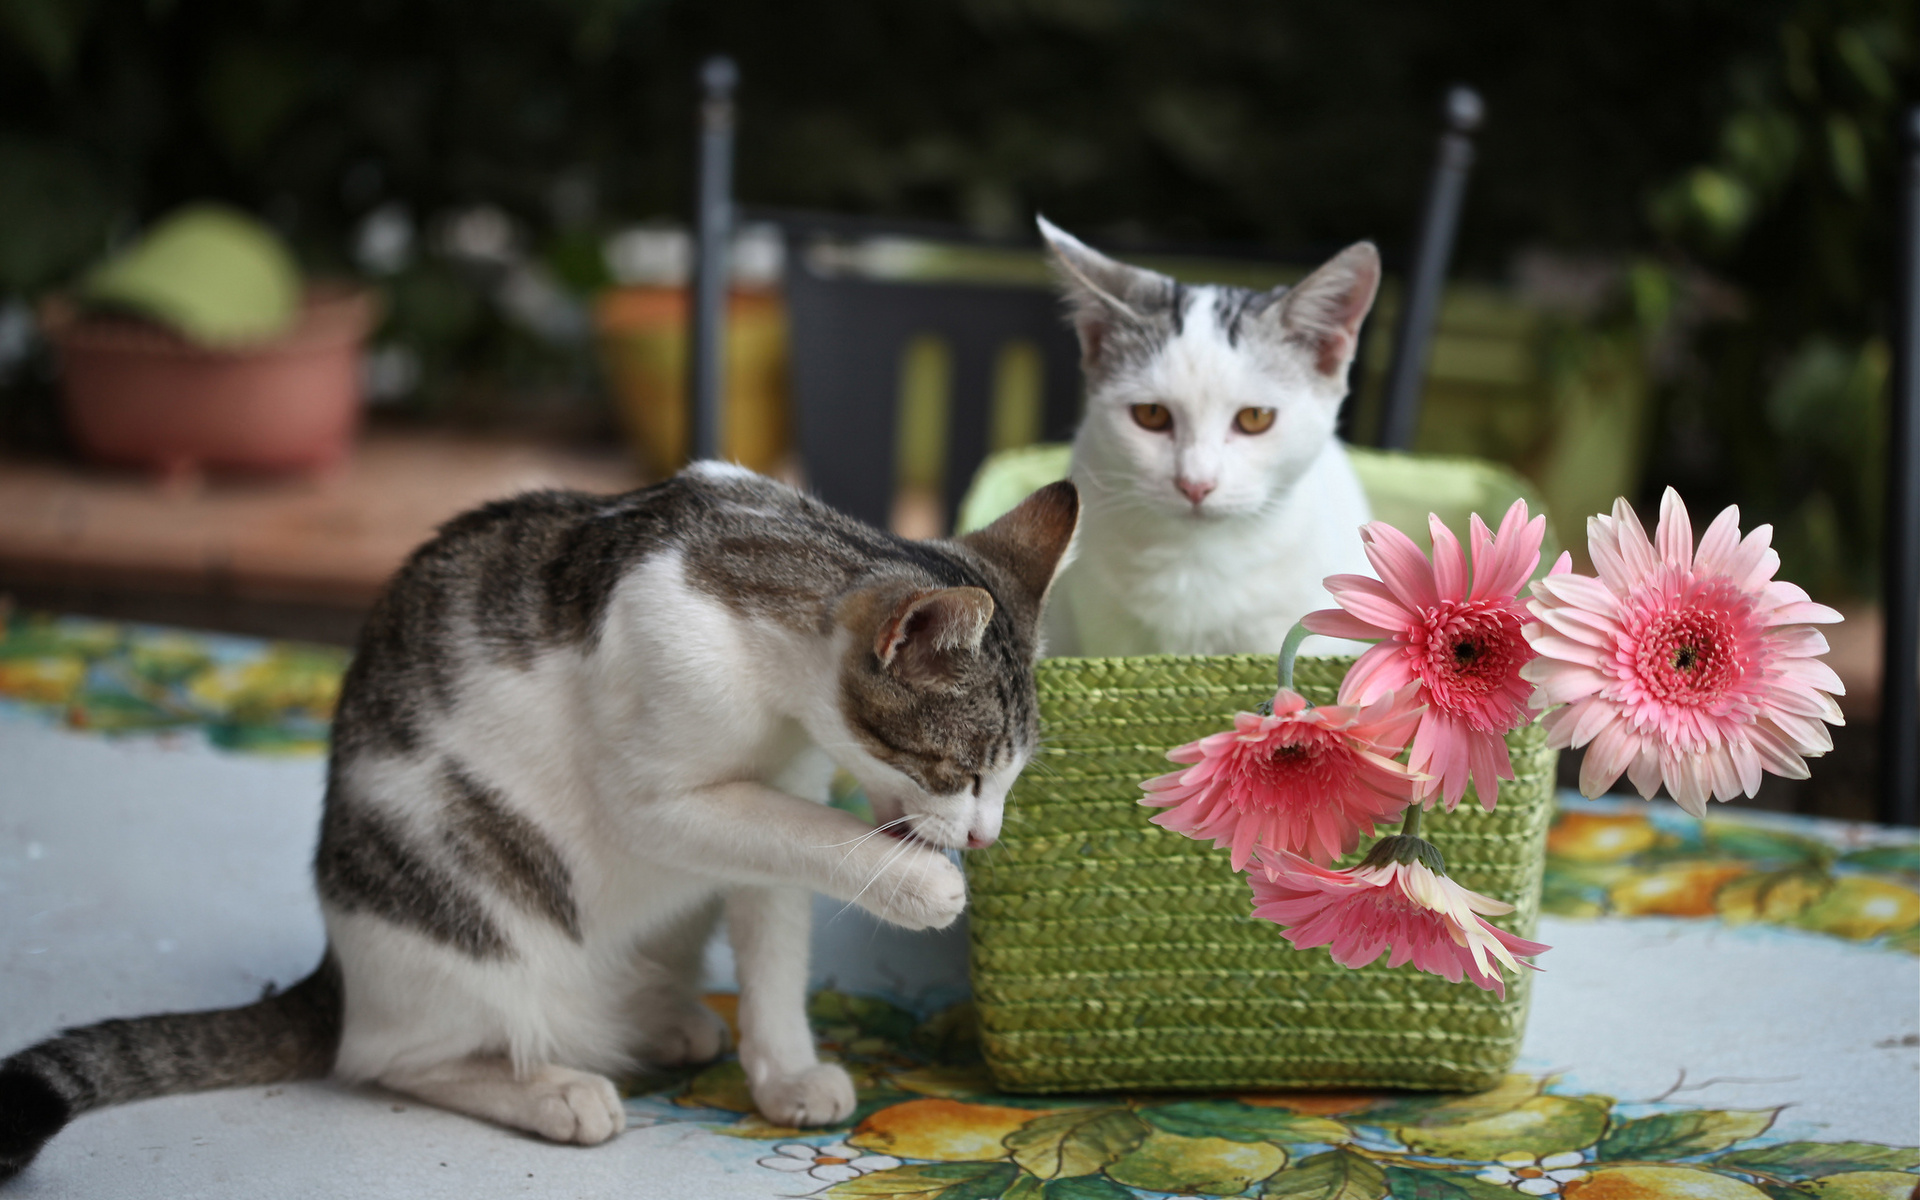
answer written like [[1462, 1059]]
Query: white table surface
[[151, 874]]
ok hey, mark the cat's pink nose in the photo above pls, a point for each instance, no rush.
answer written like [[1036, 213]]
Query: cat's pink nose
[[1193, 490], [975, 841]]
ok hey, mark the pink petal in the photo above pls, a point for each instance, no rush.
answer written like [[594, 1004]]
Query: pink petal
[[1804, 612], [1401, 566], [1568, 650], [1804, 701], [1449, 565], [1725, 774], [1746, 559], [1560, 683], [1636, 552], [1580, 625], [1673, 537], [1774, 753], [1746, 762], [1719, 542], [1798, 641], [1337, 622], [1807, 737], [1644, 771], [1579, 591], [1380, 670], [1591, 718], [1812, 673], [1501, 568], [1369, 600], [1607, 756], [1685, 782]]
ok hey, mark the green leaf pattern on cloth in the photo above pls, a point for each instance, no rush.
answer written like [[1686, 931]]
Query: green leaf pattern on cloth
[[925, 1103]]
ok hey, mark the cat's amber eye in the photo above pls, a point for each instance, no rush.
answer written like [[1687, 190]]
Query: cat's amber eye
[[1152, 416], [1253, 420]]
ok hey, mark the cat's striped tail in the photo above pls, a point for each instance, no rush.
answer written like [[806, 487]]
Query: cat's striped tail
[[287, 1035]]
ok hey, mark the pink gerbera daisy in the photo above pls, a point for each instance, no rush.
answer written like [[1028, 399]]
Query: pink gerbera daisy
[[1384, 905], [1696, 669], [1307, 780], [1460, 643]]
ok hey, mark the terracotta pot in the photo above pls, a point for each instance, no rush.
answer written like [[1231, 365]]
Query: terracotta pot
[[138, 395]]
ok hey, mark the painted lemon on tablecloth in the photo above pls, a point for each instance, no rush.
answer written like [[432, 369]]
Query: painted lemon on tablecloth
[[1860, 908], [941, 1130], [1660, 1183], [1166, 1162], [1865, 1185], [1600, 837], [1678, 890]]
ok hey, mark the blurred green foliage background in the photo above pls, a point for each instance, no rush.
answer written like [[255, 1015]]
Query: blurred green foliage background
[[1715, 178]]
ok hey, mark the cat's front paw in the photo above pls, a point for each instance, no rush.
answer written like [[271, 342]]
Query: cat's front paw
[[924, 890], [820, 1095], [564, 1105]]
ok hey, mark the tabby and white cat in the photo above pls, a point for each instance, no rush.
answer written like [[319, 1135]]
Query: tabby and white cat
[[1216, 496], [576, 729]]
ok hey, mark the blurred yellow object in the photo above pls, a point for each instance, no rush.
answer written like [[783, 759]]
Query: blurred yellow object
[[286, 679], [643, 342], [1685, 889], [1600, 837], [1862, 908], [42, 680]]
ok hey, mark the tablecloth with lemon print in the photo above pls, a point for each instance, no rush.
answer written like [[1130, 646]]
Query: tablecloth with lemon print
[[1825, 915]]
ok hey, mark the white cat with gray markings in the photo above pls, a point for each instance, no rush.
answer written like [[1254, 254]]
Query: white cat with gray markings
[[1216, 497], [577, 728]]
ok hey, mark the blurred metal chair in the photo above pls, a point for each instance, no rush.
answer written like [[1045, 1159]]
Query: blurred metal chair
[[849, 336], [849, 332]]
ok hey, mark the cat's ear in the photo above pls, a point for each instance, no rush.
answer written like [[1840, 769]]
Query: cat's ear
[[1104, 293], [1324, 311], [926, 629], [1031, 542]]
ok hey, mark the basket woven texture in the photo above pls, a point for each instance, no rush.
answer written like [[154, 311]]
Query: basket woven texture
[[1108, 953]]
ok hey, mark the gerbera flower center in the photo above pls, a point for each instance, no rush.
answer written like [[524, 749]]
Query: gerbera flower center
[[1469, 654], [1689, 655], [1311, 763]]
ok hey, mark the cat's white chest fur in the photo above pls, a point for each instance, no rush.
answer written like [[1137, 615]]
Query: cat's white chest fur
[[1148, 583]]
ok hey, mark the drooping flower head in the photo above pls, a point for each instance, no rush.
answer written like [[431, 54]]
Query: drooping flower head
[[1306, 780], [1696, 669], [1457, 637], [1406, 909]]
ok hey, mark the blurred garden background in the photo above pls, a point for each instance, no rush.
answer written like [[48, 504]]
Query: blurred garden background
[[1675, 265]]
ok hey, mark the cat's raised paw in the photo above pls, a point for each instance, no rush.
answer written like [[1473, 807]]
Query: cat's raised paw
[[820, 1095], [924, 890], [574, 1106]]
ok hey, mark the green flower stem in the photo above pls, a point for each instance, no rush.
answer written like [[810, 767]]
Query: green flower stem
[[1290, 650], [1410, 826]]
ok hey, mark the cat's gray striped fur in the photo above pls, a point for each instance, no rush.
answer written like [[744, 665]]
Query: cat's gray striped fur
[[553, 764]]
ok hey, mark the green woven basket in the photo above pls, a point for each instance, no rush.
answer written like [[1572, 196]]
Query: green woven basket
[[1109, 953]]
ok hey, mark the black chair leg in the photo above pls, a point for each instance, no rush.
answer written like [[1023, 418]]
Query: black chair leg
[[713, 219], [1420, 299], [1900, 681]]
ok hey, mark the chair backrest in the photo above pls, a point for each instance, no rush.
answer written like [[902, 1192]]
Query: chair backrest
[[849, 336]]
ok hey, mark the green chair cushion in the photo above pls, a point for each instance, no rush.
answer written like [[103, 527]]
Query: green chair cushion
[[1402, 488]]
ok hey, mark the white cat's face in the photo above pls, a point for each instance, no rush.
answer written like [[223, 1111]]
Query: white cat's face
[[1205, 428], [1204, 402]]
